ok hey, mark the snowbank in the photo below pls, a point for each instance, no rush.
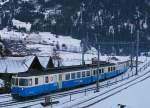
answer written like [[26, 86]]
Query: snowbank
[[136, 96]]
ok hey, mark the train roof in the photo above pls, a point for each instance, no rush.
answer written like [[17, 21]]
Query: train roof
[[61, 69]]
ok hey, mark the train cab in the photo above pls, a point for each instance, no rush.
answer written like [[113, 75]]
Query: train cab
[[20, 85]]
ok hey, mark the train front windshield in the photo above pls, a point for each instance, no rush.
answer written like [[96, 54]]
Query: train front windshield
[[21, 82]]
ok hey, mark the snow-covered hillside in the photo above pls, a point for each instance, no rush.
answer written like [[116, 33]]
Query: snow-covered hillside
[[42, 43], [20, 24]]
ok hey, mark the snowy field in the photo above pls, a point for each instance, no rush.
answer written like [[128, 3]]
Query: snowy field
[[45, 42]]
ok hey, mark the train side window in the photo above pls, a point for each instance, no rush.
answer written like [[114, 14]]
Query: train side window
[[67, 77], [73, 75], [109, 69], [114, 68], [78, 74], [88, 73], [36, 81], [46, 79], [16, 81], [94, 72], [30, 82], [100, 70], [13, 81], [83, 74]]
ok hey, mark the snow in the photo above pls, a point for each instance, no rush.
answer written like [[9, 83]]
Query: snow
[[11, 35], [3, 2], [15, 64], [44, 41], [20, 24], [134, 97]]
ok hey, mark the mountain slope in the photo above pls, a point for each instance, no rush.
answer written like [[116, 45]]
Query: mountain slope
[[89, 20]]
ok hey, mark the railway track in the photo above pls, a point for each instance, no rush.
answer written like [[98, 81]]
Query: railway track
[[89, 102], [116, 92], [28, 103], [5, 95]]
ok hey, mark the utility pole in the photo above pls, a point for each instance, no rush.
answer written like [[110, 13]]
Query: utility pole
[[132, 50], [137, 50], [82, 46], [97, 72]]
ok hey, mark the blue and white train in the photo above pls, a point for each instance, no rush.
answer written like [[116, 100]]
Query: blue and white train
[[35, 82]]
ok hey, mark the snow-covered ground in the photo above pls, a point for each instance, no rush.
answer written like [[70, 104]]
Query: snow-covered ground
[[45, 42], [20, 24], [136, 96]]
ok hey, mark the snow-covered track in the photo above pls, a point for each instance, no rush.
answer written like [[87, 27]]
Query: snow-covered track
[[104, 95], [5, 95], [116, 92]]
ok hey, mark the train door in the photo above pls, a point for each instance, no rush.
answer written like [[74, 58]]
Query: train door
[[60, 81]]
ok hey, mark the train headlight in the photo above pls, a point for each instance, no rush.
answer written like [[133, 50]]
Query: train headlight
[[22, 88]]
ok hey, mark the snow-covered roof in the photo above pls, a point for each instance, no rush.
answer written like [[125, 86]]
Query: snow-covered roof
[[11, 65], [15, 64], [44, 60], [21, 64]]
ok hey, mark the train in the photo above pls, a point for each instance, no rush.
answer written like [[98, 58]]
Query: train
[[35, 82]]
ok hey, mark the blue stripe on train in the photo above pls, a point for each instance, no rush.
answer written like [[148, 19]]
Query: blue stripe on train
[[76, 82], [36, 90]]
